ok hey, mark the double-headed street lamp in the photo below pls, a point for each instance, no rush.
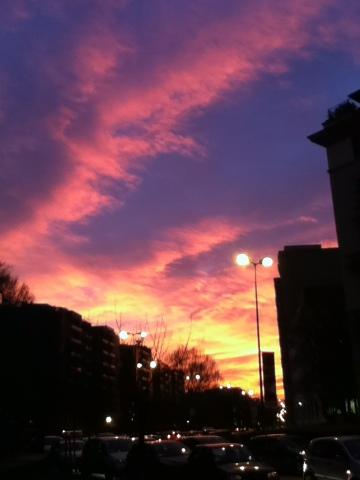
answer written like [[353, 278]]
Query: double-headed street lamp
[[124, 335], [243, 260]]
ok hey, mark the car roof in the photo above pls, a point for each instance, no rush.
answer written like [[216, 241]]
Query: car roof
[[108, 438], [219, 445], [163, 442], [275, 435], [340, 438]]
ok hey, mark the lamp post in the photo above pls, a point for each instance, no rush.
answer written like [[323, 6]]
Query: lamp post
[[243, 260]]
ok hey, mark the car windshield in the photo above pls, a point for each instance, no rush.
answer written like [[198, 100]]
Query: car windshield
[[118, 445], [170, 449], [231, 454], [353, 447], [295, 443], [71, 445]]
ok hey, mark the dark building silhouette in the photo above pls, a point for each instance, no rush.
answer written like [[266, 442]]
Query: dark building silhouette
[[268, 366], [168, 383], [45, 366], [134, 368], [219, 408], [104, 361], [314, 339], [340, 136], [135, 379], [58, 372]]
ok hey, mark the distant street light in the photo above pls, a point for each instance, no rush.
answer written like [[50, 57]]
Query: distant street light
[[153, 364], [243, 260], [108, 419], [197, 377]]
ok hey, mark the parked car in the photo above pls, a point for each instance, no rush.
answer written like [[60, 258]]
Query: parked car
[[284, 452], [335, 458], [105, 455], [51, 441], [194, 440], [227, 461], [161, 459], [66, 455]]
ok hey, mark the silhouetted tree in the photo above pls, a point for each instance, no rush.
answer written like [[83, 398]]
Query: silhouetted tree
[[201, 371], [13, 292]]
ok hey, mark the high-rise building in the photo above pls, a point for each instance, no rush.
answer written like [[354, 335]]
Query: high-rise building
[[340, 136], [168, 383], [104, 366], [134, 375], [134, 368], [45, 373], [314, 339]]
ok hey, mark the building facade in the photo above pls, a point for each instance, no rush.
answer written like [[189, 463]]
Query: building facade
[[105, 392], [45, 366], [314, 339], [340, 136]]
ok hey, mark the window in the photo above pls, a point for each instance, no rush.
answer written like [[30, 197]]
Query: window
[[353, 447], [328, 449]]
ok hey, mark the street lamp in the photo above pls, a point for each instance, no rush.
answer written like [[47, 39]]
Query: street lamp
[[243, 260], [124, 335]]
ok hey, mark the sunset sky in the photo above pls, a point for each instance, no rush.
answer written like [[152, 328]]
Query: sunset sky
[[144, 142]]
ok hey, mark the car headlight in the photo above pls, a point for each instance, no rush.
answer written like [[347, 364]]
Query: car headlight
[[272, 475]]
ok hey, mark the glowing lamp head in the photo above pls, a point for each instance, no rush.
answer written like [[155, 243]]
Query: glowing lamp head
[[267, 262], [108, 419], [123, 335], [242, 260], [187, 377], [197, 377], [139, 365], [251, 393], [143, 334], [153, 364]]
